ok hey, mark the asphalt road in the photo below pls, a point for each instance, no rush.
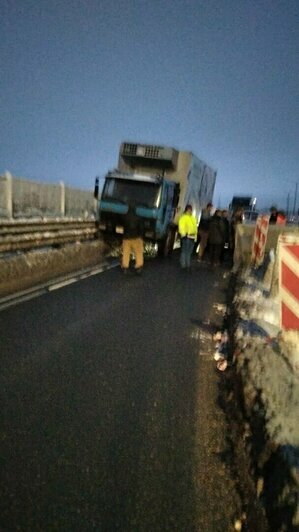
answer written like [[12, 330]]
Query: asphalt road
[[109, 396]]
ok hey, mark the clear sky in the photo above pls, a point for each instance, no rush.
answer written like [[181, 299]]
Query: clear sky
[[216, 77]]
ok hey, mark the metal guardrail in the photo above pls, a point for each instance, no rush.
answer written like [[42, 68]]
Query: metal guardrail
[[30, 234]]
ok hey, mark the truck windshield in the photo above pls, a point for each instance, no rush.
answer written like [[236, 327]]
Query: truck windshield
[[132, 192]]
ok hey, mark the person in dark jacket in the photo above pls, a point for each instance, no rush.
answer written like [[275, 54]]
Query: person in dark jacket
[[216, 237], [237, 218], [203, 230], [273, 215], [227, 240], [132, 241]]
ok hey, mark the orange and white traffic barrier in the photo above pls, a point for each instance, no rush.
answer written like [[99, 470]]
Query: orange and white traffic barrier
[[288, 263], [259, 240]]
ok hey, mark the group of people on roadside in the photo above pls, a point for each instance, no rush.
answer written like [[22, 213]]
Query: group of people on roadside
[[211, 237], [212, 233]]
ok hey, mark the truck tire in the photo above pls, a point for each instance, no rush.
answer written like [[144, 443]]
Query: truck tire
[[165, 246]]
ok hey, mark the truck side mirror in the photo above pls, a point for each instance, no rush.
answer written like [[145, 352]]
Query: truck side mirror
[[96, 188]]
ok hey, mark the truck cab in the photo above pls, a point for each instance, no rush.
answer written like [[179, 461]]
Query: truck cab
[[153, 197]]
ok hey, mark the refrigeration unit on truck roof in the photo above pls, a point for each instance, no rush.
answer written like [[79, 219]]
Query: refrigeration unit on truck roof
[[147, 155]]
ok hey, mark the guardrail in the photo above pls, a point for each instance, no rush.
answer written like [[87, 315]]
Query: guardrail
[[23, 235]]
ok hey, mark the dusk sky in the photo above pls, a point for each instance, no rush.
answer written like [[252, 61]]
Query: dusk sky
[[219, 78]]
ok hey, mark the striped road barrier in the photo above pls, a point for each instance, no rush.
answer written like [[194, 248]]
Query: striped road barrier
[[288, 261], [259, 240]]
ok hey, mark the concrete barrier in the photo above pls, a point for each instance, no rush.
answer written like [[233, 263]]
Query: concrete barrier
[[244, 241]]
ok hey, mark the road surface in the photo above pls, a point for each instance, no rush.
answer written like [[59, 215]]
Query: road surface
[[109, 393]]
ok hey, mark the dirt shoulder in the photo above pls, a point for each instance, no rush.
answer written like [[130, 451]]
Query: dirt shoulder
[[263, 381], [20, 272]]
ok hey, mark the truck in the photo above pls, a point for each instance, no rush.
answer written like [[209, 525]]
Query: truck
[[158, 181]]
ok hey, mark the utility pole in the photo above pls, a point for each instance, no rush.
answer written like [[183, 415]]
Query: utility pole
[[295, 199], [288, 204]]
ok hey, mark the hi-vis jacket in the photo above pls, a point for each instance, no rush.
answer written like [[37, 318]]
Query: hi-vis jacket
[[188, 226]]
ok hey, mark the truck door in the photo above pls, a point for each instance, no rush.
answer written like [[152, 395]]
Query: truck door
[[166, 242], [167, 212]]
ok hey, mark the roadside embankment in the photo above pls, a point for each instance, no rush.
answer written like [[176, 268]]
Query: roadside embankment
[[265, 378], [25, 270]]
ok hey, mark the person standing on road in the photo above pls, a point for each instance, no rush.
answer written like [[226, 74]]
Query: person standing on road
[[132, 241], [216, 237], [188, 234], [237, 218], [227, 240], [273, 215], [203, 230]]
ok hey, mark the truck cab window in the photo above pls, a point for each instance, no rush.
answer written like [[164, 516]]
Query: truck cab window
[[143, 193]]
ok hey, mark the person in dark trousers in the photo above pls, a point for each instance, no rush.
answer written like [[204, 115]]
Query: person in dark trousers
[[216, 238], [203, 230], [227, 240], [273, 215], [237, 218], [132, 241]]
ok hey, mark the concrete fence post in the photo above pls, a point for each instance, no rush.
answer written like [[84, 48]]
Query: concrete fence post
[[62, 198], [8, 194]]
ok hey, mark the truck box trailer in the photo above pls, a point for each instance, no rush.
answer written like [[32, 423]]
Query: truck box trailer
[[159, 182]]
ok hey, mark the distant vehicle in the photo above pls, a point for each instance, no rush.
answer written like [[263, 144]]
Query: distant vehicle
[[293, 220], [250, 216], [158, 182], [247, 203]]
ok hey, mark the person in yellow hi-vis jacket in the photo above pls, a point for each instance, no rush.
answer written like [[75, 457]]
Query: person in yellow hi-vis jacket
[[188, 234]]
